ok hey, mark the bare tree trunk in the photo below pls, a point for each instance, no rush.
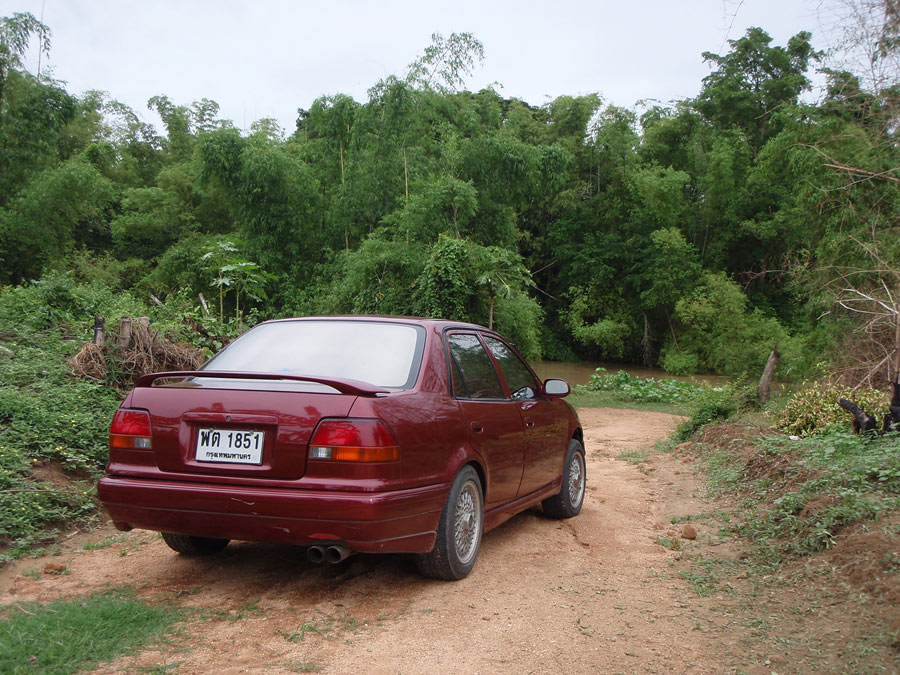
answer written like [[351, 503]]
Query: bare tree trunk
[[763, 390], [203, 304], [672, 329], [647, 343], [491, 313]]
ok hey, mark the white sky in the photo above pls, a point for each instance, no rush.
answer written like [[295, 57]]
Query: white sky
[[269, 57]]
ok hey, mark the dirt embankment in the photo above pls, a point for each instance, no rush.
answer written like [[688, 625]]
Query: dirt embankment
[[597, 593]]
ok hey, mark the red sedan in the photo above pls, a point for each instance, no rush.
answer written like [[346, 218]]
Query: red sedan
[[344, 435]]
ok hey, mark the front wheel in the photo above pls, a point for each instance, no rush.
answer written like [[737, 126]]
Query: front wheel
[[188, 545], [571, 494], [459, 530]]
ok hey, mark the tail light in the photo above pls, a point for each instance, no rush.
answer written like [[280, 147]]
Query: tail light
[[130, 429], [354, 440]]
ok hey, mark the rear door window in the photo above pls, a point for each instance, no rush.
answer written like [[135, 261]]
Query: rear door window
[[471, 368]]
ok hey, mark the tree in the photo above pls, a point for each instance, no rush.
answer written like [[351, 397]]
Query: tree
[[753, 80], [16, 32], [33, 120], [444, 288], [445, 63], [232, 273], [62, 208], [501, 273]]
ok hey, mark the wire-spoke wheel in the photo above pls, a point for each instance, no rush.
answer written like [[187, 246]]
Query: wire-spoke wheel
[[459, 530], [574, 480], [467, 522]]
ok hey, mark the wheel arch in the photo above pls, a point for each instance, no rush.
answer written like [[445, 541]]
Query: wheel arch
[[481, 475]]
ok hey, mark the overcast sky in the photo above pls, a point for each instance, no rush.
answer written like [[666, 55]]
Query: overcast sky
[[269, 57]]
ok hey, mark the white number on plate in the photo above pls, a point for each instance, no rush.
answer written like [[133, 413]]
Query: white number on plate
[[230, 445]]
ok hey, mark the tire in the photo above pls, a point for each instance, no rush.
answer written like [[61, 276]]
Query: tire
[[459, 530], [574, 478], [188, 545]]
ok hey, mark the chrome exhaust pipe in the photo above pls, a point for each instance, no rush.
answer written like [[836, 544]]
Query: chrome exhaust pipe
[[336, 554], [315, 554]]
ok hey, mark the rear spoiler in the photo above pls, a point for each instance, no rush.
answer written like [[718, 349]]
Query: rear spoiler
[[345, 386]]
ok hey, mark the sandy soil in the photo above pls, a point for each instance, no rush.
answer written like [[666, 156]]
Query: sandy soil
[[596, 593]]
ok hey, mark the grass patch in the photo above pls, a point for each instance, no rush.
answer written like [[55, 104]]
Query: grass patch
[[635, 456], [582, 397], [70, 635], [796, 495]]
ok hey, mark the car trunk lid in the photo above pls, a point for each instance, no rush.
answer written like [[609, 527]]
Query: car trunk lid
[[239, 424]]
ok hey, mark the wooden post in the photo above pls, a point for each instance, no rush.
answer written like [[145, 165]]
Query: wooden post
[[124, 332], [203, 304], [99, 337], [763, 390]]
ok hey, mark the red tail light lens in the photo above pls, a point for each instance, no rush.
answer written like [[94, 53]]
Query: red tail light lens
[[354, 440], [130, 429]]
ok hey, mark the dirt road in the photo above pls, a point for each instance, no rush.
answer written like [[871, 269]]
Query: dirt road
[[593, 594]]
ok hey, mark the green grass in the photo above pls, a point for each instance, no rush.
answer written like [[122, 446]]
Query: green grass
[[581, 397], [47, 416], [796, 495], [70, 635]]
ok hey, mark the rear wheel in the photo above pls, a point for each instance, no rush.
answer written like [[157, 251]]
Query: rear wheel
[[571, 495], [459, 530], [188, 545]]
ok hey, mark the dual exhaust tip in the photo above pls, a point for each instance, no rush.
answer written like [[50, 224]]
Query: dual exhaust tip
[[333, 554]]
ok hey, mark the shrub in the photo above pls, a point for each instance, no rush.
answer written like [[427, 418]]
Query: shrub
[[814, 408], [710, 405], [679, 362], [723, 334], [644, 389]]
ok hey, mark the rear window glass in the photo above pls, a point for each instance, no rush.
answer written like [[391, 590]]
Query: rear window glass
[[383, 354]]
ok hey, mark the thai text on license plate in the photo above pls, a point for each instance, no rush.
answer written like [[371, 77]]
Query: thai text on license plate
[[230, 445]]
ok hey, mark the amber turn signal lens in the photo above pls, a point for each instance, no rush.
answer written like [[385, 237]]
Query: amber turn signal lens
[[388, 454]]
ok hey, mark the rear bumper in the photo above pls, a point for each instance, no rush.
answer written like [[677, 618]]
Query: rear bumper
[[403, 521]]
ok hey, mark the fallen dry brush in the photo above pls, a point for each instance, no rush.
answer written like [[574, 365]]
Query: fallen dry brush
[[129, 356]]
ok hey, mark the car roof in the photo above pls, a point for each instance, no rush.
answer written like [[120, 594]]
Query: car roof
[[437, 324]]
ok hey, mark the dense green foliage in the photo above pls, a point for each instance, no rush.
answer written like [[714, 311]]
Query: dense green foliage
[[66, 636], [693, 237]]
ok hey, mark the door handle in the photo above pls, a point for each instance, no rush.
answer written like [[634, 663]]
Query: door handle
[[529, 422], [477, 427]]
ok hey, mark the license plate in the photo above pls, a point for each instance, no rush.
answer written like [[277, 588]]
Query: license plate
[[230, 446]]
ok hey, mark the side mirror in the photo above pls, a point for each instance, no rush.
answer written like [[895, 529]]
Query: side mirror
[[556, 388]]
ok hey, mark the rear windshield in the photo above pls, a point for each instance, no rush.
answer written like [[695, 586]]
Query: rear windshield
[[382, 354]]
